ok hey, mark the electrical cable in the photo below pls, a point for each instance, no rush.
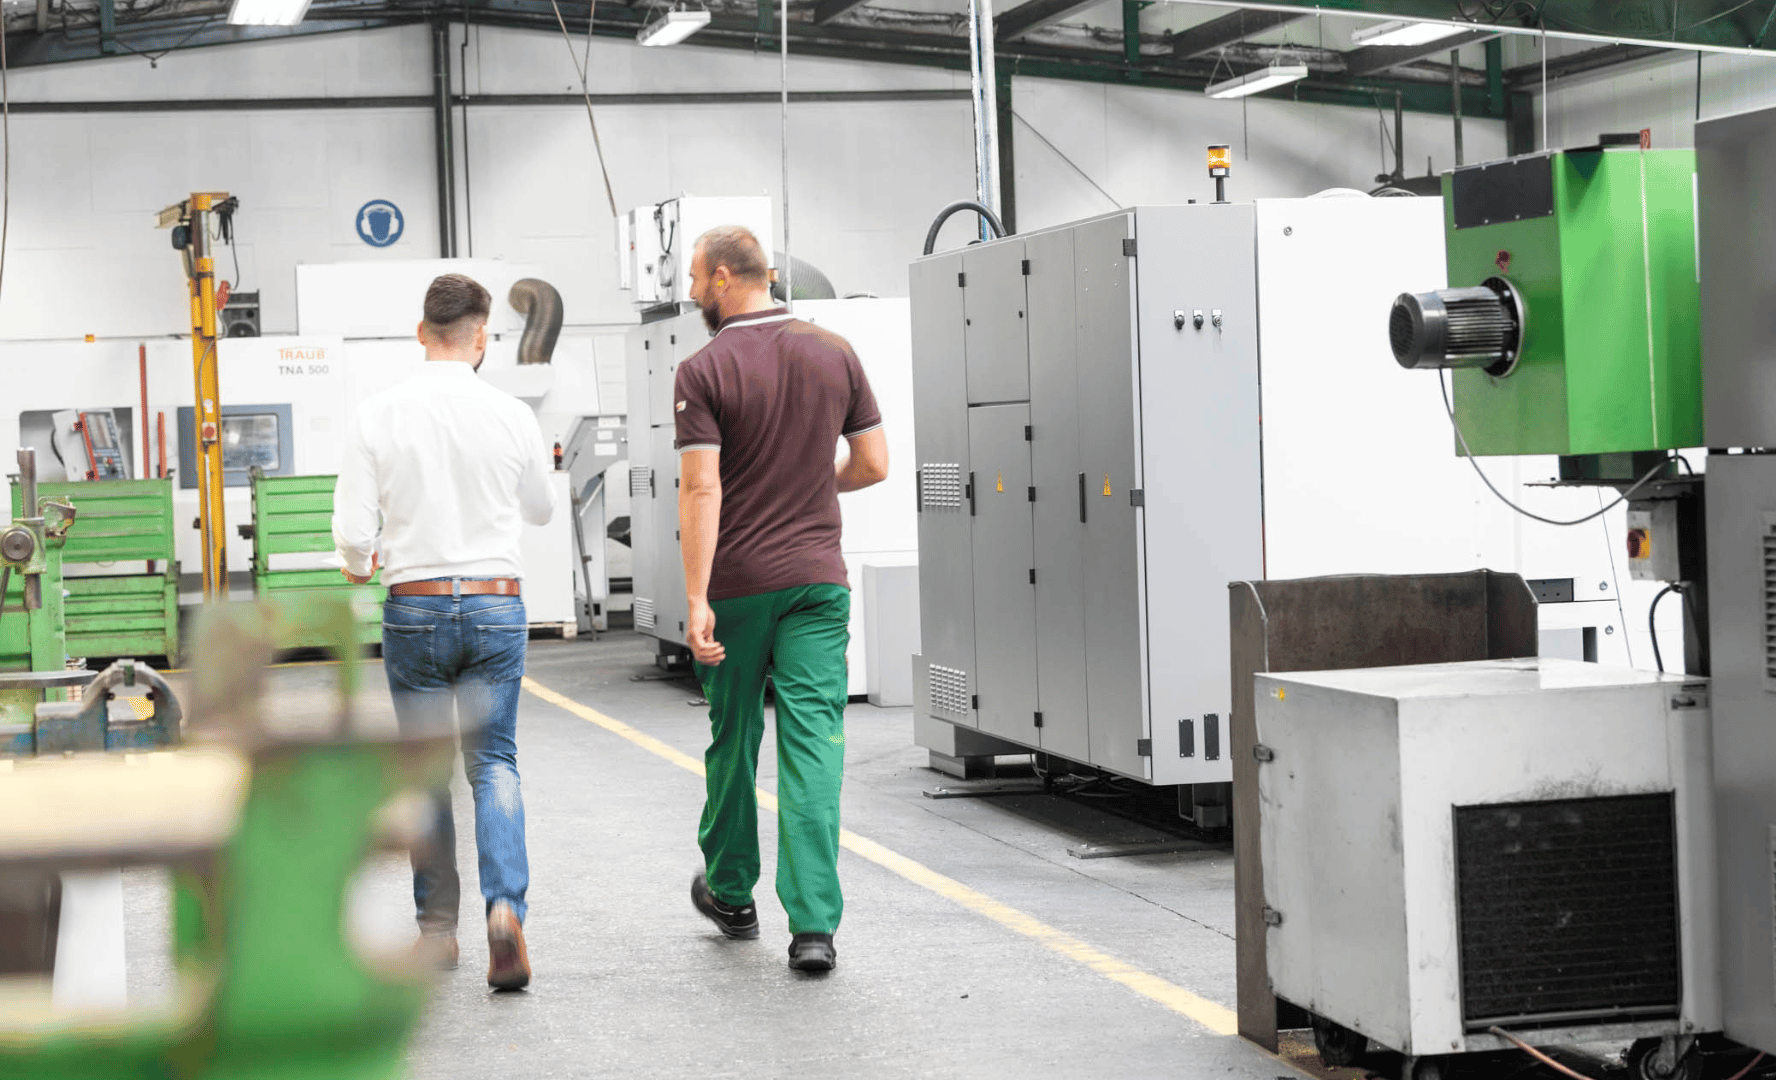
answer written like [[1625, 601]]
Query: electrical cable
[[1538, 1055], [597, 143], [1743, 1073], [1652, 628], [1462, 439]]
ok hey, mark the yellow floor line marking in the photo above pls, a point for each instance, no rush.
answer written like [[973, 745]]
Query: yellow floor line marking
[[1217, 1018]]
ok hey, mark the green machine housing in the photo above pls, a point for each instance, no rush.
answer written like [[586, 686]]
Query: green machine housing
[[122, 522], [1572, 314], [293, 515]]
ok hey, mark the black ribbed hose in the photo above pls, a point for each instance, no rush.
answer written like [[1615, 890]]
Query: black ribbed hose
[[955, 208]]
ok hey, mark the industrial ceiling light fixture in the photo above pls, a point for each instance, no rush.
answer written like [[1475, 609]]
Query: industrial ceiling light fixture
[[1401, 32], [1256, 82], [267, 12], [673, 27]]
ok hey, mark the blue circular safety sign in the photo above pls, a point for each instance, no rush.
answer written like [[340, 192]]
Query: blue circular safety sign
[[380, 223]]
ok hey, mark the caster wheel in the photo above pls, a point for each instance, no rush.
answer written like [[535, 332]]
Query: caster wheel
[[1337, 1044], [1644, 1063], [1424, 1069]]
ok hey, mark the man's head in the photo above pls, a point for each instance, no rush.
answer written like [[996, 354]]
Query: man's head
[[729, 274], [455, 323]]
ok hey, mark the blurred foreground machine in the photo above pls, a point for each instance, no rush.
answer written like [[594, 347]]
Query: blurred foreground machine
[[264, 832], [1092, 472]]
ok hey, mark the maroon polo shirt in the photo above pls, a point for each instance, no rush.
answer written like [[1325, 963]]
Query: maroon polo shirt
[[774, 394]]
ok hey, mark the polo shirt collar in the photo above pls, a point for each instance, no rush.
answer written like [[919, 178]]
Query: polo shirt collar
[[755, 318]]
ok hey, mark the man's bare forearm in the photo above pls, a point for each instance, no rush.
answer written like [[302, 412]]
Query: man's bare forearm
[[699, 521]]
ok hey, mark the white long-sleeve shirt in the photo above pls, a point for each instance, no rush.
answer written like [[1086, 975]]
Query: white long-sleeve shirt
[[452, 468]]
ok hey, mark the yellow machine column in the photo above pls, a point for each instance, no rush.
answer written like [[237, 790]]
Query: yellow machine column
[[190, 222]]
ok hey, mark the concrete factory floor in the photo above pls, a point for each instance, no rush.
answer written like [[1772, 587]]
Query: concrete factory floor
[[973, 945]]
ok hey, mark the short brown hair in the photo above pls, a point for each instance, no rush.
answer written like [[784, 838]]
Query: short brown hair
[[455, 306], [737, 249]]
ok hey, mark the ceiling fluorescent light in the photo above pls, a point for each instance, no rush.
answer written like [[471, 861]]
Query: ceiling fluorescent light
[[673, 27], [267, 12], [1256, 82], [1400, 33]]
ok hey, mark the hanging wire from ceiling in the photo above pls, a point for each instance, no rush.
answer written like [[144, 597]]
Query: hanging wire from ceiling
[[586, 90]]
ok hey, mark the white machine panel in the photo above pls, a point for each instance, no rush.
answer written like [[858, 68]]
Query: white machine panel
[[1383, 890], [655, 243]]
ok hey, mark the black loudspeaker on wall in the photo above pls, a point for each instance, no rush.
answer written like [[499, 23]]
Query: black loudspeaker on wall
[[241, 317]]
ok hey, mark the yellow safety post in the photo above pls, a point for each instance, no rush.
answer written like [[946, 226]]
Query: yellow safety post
[[190, 221]]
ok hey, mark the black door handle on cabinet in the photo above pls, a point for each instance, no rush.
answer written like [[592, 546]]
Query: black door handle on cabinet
[[1082, 498]]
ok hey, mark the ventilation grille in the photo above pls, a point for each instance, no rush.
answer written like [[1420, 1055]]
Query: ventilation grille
[[644, 614], [1769, 571], [942, 488], [949, 692], [641, 481], [1569, 910]]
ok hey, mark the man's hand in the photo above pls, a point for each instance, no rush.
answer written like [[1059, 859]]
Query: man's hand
[[700, 634], [365, 580]]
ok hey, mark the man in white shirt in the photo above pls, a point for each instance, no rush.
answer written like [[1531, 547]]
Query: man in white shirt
[[442, 472]]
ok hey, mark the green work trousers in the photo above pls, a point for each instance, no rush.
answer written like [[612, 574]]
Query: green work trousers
[[798, 636]]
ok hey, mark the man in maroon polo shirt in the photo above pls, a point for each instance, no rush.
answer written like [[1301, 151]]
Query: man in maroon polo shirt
[[760, 411]]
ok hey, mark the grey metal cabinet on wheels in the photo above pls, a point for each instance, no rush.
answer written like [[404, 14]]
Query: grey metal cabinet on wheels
[[1033, 361]]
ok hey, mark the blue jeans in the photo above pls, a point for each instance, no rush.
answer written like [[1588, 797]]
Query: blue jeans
[[461, 658]]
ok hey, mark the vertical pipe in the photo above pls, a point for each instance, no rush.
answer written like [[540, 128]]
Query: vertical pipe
[[27, 464], [441, 125], [985, 82], [783, 105], [142, 417], [32, 586], [1495, 77], [1131, 38], [160, 441], [1399, 135], [1007, 150], [1455, 100], [107, 27]]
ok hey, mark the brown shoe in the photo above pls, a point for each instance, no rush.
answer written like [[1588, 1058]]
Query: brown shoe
[[436, 951], [508, 965]]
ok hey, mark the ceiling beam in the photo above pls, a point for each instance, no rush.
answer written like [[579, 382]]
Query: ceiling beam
[[1225, 30], [1529, 76], [86, 42], [1034, 15], [1366, 61]]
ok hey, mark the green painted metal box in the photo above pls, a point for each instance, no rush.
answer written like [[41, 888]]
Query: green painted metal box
[[1601, 245], [122, 525], [294, 515]]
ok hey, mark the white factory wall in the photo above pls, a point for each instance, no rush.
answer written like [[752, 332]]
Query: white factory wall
[[1658, 94], [865, 177], [1084, 149]]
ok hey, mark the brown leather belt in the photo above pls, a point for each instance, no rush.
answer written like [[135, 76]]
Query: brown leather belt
[[496, 587]]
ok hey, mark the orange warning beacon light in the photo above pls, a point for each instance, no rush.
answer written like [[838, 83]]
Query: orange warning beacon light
[[1220, 164]]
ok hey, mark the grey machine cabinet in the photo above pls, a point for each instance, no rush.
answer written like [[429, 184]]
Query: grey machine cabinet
[[656, 349], [1735, 157], [1088, 484]]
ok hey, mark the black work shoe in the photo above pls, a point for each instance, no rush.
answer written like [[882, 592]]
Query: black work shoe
[[812, 952], [736, 922]]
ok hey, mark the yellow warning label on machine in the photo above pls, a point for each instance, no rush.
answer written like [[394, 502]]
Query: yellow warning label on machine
[[1001, 482], [1106, 483]]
